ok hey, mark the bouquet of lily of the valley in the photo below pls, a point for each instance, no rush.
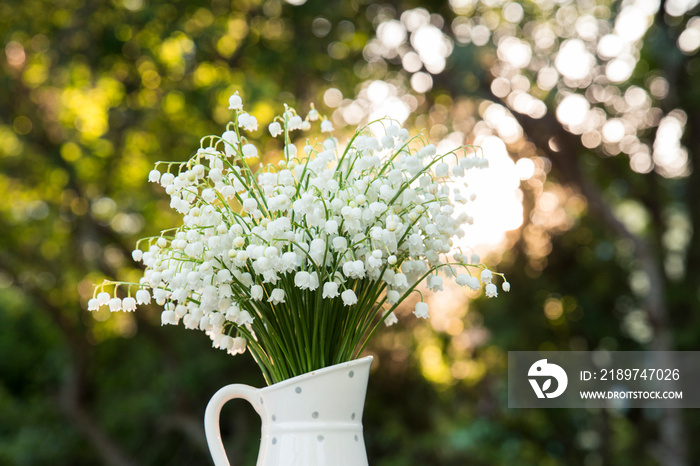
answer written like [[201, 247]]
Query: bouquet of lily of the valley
[[302, 261]]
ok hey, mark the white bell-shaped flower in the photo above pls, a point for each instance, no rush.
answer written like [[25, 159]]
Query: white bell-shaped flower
[[330, 290], [349, 297], [235, 102], [421, 310], [275, 129], [277, 296], [491, 291]]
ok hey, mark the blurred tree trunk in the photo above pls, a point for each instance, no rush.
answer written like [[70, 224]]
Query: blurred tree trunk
[[562, 148], [672, 447]]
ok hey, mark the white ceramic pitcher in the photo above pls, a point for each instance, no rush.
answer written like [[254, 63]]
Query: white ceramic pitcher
[[314, 419]]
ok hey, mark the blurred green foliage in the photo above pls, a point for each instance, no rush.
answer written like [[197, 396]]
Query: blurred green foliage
[[93, 93]]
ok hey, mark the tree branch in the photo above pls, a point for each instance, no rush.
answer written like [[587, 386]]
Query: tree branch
[[72, 393]]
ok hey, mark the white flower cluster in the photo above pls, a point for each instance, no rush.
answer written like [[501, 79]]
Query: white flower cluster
[[350, 232]]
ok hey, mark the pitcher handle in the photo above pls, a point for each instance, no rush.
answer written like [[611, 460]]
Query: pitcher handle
[[213, 411]]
